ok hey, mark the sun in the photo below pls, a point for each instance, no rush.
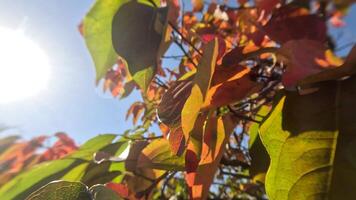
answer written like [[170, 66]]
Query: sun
[[24, 66]]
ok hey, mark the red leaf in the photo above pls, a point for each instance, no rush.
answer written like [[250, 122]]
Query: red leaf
[[176, 140], [336, 19], [292, 24], [174, 11], [170, 108], [135, 110], [233, 57], [222, 44], [120, 189], [303, 58], [267, 5], [191, 165]]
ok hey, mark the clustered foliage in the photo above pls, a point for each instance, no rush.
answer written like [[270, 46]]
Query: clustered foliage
[[250, 97]]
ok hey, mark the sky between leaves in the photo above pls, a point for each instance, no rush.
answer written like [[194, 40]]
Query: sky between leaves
[[72, 103]]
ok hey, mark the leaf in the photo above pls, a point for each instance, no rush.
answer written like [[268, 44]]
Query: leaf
[[267, 5], [303, 58], [259, 156], [138, 35], [93, 145], [233, 57], [201, 179], [158, 155], [96, 28], [174, 11], [347, 69], [61, 190], [232, 90], [310, 139], [134, 153], [305, 27], [27, 182], [136, 110], [120, 189], [6, 142], [176, 141], [76, 173], [63, 146], [194, 147], [101, 192], [200, 88], [198, 5], [100, 173], [208, 37], [172, 102]]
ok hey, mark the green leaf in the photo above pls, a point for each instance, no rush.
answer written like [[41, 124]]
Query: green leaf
[[99, 174], [254, 127], [97, 26], [93, 145], [138, 35], [61, 190], [311, 141], [158, 155], [97, 34], [201, 84], [260, 159], [76, 173], [100, 192], [143, 78], [27, 182]]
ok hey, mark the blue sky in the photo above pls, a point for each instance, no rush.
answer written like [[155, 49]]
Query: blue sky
[[71, 102]]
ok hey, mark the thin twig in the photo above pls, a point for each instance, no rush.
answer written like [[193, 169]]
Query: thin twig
[[242, 116], [169, 177], [185, 53]]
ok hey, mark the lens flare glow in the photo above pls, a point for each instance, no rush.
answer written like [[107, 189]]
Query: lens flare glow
[[24, 67]]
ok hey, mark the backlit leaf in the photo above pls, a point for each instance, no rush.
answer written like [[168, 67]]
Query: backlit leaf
[[198, 5], [306, 27], [312, 147], [303, 58], [347, 69], [137, 32], [201, 84], [204, 175], [236, 88], [97, 33], [158, 155], [61, 190]]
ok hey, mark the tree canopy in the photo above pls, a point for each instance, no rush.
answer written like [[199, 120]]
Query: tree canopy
[[255, 103]]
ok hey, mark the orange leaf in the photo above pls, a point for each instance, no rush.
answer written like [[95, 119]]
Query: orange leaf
[[135, 110], [198, 5], [201, 180], [176, 141], [232, 90], [119, 188]]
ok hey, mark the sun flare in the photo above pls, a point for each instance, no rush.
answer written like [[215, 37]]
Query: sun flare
[[24, 66]]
